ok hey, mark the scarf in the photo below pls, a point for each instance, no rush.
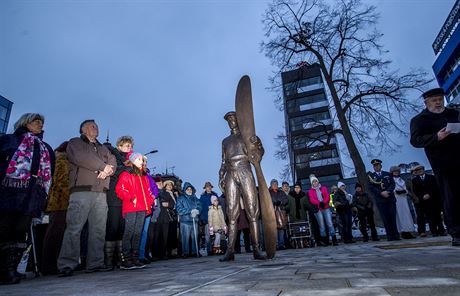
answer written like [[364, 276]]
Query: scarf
[[318, 192], [400, 184], [18, 172]]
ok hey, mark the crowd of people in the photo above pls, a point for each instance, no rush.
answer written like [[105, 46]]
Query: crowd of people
[[107, 211]]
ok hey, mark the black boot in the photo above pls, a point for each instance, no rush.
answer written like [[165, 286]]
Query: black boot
[[365, 237], [334, 241], [136, 261], [109, 251], [322, 242], [126, 262], [9, 260], [117, 253]]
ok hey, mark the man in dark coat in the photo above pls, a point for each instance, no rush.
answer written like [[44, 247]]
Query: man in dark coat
[[427, 190], [431, 130], [382, 186]]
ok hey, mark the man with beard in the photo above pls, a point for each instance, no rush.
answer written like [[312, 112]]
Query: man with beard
[[431, 130]]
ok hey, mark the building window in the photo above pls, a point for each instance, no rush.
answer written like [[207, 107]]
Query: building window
[[3, 112], [306, 103], [452, 67], [316, 159], [304, 85], [312, 140], [310, 121], [454, 91]]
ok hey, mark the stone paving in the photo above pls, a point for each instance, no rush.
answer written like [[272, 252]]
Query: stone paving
[[356, 269]]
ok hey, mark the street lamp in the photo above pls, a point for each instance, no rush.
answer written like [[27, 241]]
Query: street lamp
[[151, 152]]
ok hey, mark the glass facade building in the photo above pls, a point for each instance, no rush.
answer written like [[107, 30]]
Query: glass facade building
[[312, 146], [5, 111], [447, 49]]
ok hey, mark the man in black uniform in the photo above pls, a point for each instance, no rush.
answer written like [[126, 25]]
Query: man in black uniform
[[429, 131], [382, 186]]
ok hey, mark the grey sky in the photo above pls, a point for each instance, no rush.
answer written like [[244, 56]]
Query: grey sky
[[166, 72]]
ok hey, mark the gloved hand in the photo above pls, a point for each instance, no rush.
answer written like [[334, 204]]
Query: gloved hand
[[211, 230], [194, 213], [322, 205]]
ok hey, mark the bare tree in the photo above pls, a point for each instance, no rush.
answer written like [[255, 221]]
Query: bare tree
[[369, 99]]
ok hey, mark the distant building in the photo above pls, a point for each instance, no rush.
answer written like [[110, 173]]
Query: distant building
[[312, 146], [5, 111], [447, 48]]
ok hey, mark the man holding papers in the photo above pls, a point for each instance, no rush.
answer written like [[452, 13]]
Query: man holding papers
[[436, 130]]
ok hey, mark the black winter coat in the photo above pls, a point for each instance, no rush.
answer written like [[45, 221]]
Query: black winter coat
[[340, 201], [443, 155], [112, 198], [428, 186], [23, 200], [362, 202], [167, 213]]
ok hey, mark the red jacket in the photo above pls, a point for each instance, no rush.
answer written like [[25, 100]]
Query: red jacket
[[134, 192], [314, 197]]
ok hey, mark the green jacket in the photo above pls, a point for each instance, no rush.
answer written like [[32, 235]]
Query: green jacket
[[291, 207]]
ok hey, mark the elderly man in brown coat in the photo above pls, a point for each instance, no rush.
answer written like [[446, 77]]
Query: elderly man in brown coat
[[91, 165]]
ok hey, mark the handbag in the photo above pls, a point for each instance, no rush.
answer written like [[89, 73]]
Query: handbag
[[281, 218]]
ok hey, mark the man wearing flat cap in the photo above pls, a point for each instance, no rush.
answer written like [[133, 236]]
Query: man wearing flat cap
[[426, 189], [429, 131], [382, 185]]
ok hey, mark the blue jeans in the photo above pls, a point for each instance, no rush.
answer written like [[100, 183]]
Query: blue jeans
[[145, 232], [281, 237], [187, 231], [325, 215]]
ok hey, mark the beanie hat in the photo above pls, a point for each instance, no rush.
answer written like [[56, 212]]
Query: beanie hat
[[134, 156], [313, 178], [298, 183], [213, 198], [340, 184], [358, 185]]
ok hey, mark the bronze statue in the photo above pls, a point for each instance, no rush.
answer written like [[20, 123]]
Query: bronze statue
[[239, 150]]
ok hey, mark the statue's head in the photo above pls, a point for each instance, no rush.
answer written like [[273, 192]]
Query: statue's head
[[230, 117]]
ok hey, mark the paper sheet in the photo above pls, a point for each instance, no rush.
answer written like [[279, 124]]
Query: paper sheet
[[454, 128]]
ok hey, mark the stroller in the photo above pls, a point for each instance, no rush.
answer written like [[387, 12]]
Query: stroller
[[300, 234]]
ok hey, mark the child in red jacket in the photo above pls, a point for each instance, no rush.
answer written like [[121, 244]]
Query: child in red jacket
[[133, 188]]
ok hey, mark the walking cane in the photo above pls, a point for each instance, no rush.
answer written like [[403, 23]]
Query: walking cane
[[196, 237], [37, 274]]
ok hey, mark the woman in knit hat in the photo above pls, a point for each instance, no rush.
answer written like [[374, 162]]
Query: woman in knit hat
[[319, 199]]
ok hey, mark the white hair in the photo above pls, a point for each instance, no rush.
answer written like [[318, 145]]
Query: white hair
[[27, 118]]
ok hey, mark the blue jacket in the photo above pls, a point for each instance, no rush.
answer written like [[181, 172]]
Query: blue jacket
[[384, 182], [186, 203], [205, 200]]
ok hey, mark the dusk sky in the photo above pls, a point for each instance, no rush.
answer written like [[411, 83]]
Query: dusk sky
[[165, 72]]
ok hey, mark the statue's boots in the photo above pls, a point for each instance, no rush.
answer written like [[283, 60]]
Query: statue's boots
[[230, 254], [254, 229]]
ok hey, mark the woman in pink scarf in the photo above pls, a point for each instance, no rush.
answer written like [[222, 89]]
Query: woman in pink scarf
[[26, 167]]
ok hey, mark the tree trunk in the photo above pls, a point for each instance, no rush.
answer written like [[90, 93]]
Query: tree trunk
[[358, 162]]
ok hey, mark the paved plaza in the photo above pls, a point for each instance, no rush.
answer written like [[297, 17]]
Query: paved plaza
[[428, 266]]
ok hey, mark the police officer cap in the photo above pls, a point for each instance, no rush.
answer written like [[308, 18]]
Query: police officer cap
[[433, 93], [231, 113], [376, 161]]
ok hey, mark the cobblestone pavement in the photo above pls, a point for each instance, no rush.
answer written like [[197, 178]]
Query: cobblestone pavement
[[428, 266]]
